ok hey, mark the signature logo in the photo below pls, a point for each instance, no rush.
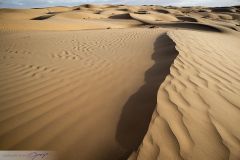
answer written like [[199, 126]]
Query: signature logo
[[38, 156], [27, 155]]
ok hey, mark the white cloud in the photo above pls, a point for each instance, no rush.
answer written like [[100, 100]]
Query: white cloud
[[208, 2], [43, 3]]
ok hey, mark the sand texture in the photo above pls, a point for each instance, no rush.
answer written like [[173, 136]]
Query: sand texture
[[197, 112], [118, 82]]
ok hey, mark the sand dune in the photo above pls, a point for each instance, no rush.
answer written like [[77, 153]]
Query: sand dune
[[109, 16], [104, 82], [21, 14], [154, 16], [197, 111], [80, 15]]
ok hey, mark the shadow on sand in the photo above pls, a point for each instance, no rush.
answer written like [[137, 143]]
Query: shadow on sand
[[137, 111]]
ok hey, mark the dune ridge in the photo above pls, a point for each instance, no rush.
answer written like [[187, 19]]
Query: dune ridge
[[140, 105], [197, 105]]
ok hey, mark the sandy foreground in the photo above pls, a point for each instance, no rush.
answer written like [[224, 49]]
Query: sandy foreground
[[118, 82]]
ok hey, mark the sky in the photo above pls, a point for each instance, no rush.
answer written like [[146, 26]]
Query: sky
[[45, 3]]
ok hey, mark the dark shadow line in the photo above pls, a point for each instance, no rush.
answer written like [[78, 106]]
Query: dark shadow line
[[121, 16], [44, 17], [192, 26], [182, 25], [137, 111]]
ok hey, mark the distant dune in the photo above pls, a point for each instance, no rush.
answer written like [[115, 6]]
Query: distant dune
[[118, 82]]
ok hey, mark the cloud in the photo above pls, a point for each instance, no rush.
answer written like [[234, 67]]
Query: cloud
[[207, 2], [37, 3], [44, 3]]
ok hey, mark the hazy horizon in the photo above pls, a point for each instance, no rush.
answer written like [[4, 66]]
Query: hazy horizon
[[46, 3]]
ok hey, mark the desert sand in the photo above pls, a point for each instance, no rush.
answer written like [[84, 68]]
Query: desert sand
[[118, 82]]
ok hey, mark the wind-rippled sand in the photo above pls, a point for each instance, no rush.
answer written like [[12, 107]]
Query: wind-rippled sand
[[145, 83]]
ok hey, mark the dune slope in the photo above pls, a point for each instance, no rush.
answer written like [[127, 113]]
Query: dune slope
[[197, 112], [64, 91]]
